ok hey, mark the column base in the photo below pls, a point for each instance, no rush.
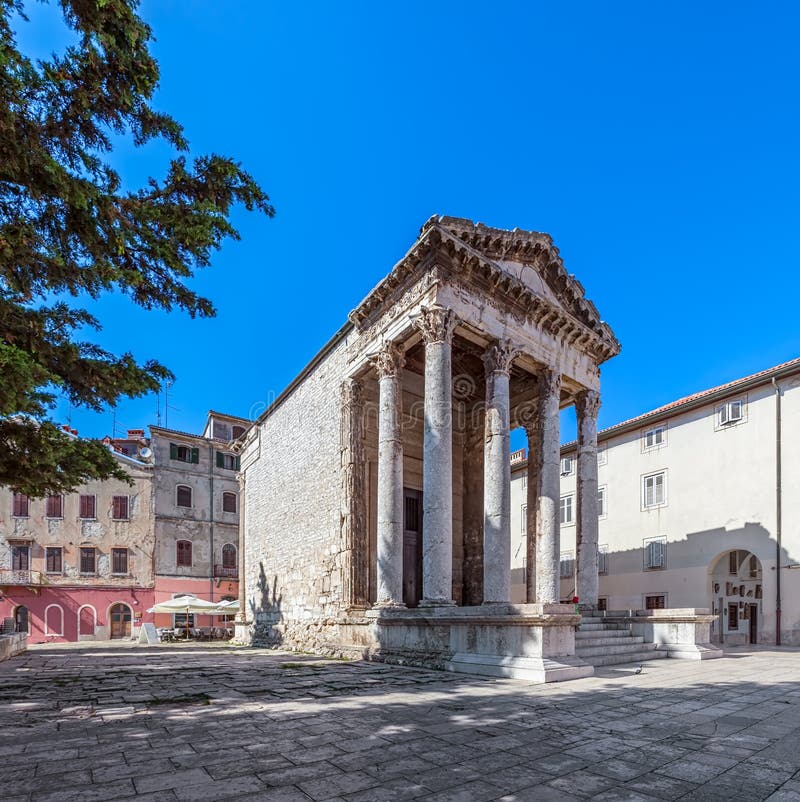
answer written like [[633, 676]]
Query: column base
[[388, 605], [437, 603]]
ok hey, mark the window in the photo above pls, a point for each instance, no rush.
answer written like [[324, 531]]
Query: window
[[184, 453], [237, 432], [87, 507], [54, 507], [567, 565], [601, 502], [229, 556], [183, 620], [54, 560], [20, 558], [602, 559], [654, 490], [183, 557], [753, 566], [524, 481], [88, 559], [602, 454], [566, 510], [653, 438], [183, 496], [655, 602], [730, 412], [567, 466], [119, 561], [230, 462], [229, 502], [655, 553], [602, 604], [21, 505], [733, 615], [120, 509], [733, 563], [523, 523]]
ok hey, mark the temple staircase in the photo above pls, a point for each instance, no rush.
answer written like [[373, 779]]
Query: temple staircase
[[603, 644]]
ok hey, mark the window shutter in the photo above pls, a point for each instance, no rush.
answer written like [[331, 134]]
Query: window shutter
[[220, 459], [195, 456], [173, 451], [237, 461]]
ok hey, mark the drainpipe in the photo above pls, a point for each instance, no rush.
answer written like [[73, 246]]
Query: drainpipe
[[777, 512], [211, 457]]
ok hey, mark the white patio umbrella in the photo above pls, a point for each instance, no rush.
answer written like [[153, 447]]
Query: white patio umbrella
[[227, 607], [185, 604]]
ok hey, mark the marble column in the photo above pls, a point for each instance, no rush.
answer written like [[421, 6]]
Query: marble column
[[497, 477], [241, 624], [587, 405], [389, 363], [548, 529], [533, 430], [437, 325]]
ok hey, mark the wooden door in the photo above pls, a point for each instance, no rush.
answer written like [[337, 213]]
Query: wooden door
[[412, 547], [753, 623], [120, 616], [21, 619]]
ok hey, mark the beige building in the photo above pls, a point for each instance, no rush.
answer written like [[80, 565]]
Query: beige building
[[699, 506], [79, 566]]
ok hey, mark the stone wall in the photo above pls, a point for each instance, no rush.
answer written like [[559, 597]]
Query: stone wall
[[294, 551]]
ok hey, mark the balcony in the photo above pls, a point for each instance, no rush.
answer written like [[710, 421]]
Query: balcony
[[226, 572], [8, 576]]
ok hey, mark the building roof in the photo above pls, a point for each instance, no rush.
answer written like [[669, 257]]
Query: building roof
[[213, 414]]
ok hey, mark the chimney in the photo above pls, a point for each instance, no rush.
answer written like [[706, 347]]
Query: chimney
[[135, 434]]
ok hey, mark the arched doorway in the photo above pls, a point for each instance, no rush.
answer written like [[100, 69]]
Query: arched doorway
[[21, 622], [736, 597], [120, 617]]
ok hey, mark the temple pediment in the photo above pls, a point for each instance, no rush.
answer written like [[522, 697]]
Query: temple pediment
[[522, 268]]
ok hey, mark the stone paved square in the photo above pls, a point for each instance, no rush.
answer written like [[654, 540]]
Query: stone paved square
[[195, 722]]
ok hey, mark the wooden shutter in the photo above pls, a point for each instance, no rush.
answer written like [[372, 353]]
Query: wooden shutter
[[195, 456], [173, 451], [220, 459]]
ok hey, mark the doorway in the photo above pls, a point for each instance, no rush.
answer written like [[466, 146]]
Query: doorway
[[120, 617], [753, 623], [21, 623], [412, 547]]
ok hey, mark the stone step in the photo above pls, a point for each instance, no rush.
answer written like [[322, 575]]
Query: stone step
[[594, 643], [623, 659], [637, 645], [602, 633], [592, 627]]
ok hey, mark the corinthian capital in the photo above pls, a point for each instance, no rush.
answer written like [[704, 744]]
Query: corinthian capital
[[436, 324], [388, 361], [587, 403], [549, 383], [498, 357]]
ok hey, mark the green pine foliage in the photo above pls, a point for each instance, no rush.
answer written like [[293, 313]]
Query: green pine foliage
[[69, 229]]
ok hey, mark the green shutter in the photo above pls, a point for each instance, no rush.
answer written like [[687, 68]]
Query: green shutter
[[195, 456], [220, 460], [237, 463], [173, 451]]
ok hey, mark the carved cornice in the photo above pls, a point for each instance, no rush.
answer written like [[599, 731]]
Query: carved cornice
[[470, 250], [389, 361], [498, 357], [587, 404], [436, 324]]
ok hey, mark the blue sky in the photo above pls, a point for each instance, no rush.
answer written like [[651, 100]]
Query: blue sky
[[656, 142]]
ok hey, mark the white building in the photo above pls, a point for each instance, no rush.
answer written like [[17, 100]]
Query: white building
[[699, 506]]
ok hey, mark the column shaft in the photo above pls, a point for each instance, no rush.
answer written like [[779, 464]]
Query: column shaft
[[534, 470], [437, 325], [548, 531], [390, 479], [497, 477], [587, 405]]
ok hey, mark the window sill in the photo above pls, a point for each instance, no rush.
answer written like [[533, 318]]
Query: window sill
[[121, 520]]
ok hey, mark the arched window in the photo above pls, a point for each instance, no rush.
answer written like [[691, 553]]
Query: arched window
[[183, 556], [54, 620], [183, 496], [229, 556], [229, 502]]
